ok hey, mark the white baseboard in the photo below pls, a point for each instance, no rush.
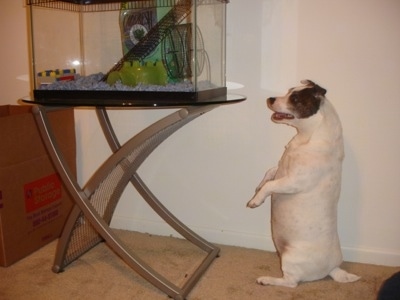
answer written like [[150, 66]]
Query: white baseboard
[[251, 240], [371, 256]]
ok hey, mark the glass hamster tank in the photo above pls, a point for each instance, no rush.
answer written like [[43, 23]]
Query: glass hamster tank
[[170, 50]]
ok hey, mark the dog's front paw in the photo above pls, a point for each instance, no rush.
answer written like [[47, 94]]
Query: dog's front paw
[[259, 187], [255, 202]]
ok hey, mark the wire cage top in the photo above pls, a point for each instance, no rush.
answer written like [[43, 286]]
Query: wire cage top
[[108, 5]]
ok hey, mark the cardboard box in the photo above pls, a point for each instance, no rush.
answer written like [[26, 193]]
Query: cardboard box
[[33, 201]]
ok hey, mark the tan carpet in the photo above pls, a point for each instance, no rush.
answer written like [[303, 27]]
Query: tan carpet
[[99, 274]]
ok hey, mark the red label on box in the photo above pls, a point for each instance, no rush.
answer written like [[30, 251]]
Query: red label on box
[[42, 192]]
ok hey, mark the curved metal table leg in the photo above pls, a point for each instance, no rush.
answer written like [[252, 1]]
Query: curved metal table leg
[[88, 223], [145, 191]]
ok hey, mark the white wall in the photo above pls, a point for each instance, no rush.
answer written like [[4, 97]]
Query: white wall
[[14, 75], [207, 171]]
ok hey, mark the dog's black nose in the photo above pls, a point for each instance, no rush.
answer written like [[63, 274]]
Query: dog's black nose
[[271, 100]]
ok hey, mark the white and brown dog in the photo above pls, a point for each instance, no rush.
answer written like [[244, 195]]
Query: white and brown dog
[[305, 188]]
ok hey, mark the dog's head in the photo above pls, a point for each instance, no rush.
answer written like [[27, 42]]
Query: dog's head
[[299, 103]]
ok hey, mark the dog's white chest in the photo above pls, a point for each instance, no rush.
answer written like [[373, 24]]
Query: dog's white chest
[[307, 210]]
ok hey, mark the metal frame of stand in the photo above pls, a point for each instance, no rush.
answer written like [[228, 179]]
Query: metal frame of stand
[[89, 221]]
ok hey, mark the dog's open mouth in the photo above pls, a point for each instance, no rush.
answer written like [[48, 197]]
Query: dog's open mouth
[[281, 116]]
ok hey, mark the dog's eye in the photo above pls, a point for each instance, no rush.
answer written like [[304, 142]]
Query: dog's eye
[[294, 98]]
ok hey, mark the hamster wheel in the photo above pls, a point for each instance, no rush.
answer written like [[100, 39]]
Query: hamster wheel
[[181, 53], [156, 34]]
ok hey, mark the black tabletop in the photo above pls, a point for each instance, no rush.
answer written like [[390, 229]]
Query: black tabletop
[[151, 101]]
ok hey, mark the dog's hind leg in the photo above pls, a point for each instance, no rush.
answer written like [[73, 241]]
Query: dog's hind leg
[[286, 281], [341, 275]]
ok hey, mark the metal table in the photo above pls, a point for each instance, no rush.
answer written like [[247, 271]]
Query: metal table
[[95, 202]]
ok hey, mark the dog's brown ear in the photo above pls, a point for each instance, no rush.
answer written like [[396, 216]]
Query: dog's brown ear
[[319, 91], [307, 82]]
